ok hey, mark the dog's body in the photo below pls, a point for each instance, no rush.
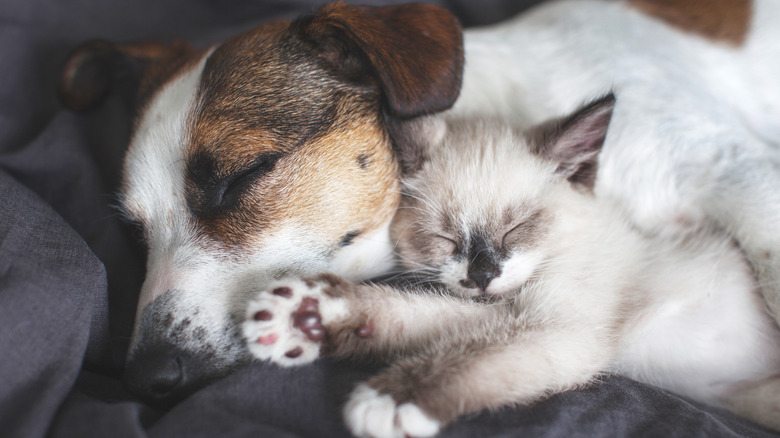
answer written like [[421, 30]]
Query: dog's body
[[273, 154]]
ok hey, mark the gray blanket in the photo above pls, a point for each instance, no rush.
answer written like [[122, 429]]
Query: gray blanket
[[70, 270]]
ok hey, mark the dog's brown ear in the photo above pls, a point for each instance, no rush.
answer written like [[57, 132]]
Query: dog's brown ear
[[95, 68], [575, 141], [415, 51]]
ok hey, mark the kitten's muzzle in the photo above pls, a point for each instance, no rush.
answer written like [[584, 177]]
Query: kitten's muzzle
[[479, 280], [483, 268]]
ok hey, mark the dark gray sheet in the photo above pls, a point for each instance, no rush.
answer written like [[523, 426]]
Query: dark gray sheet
[[70, 272]]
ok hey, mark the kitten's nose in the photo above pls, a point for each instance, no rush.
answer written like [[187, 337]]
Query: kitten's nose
[[484, 265], [482, 279]]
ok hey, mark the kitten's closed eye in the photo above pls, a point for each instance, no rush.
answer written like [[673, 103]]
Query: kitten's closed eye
[[447, 243], [526, 232]]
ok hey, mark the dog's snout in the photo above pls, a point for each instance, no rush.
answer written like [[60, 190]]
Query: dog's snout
[[162, 375], [166, 376], [179, 347]]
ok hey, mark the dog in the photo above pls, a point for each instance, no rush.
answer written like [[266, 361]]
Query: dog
[[279, 151]]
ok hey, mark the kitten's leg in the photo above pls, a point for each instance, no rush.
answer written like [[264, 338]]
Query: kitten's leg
[[297, 319], [758, 401], [417, 395]]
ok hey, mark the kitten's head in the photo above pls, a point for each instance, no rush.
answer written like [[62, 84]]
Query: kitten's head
[[482, 202]]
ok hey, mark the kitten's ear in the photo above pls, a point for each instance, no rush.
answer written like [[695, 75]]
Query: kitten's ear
[[575, 141], [414, 138]]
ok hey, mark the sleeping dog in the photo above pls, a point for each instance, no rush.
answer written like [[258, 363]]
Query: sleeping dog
[[279, 151]]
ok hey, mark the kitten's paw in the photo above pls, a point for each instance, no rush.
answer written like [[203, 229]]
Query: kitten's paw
[[371, 414], [287, 323]]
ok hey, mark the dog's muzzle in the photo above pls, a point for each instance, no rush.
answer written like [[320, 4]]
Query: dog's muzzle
[[175, 353]]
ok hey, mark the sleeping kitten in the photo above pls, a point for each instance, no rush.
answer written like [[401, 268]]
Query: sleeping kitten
[[567, 288]]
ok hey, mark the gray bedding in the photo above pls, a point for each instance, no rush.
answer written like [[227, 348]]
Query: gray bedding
[[70, 270]]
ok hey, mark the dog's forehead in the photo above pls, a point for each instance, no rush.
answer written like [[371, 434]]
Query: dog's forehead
[[265, 89], [250, 81]]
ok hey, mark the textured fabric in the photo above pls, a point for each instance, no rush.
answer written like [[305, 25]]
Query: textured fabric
[[70, 272]]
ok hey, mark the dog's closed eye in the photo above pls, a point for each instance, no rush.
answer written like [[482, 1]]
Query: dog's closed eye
[[217, 192], [231, 189]]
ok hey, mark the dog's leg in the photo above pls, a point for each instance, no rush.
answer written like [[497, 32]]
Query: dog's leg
[[690, 166], [758, 401], [485, 368], [745, 199], [297, 319], [752, 212]]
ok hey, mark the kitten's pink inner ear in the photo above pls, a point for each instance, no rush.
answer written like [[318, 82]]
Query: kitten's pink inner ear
[[575, 141]]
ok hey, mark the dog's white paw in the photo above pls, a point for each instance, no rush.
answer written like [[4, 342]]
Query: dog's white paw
[[371, 414], [287, 323]]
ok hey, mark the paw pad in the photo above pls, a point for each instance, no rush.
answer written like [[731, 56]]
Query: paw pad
[[283, 291], [263, 315], [287, 325]]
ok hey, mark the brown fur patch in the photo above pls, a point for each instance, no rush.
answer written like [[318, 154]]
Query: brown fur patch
[[415, 51], [725, 21], [285, 109]]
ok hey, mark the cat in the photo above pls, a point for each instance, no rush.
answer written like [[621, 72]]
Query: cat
[[544, 286]]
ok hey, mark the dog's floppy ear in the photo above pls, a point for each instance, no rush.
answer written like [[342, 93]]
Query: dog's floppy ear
[[415, 51], [95, 68], [574, 142]]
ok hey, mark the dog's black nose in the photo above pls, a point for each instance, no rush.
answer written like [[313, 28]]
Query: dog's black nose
[[162, 376]]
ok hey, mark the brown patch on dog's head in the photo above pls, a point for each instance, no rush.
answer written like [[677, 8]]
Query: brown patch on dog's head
[[95, 68], [726, 21], [291, 121]]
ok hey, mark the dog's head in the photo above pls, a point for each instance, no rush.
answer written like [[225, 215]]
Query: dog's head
[[268, 155]]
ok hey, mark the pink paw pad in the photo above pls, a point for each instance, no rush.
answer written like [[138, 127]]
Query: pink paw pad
[[365, 330], [283, 291], [295, 352], [286, 323], [308, 320], [268, 339], [263, 315]]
